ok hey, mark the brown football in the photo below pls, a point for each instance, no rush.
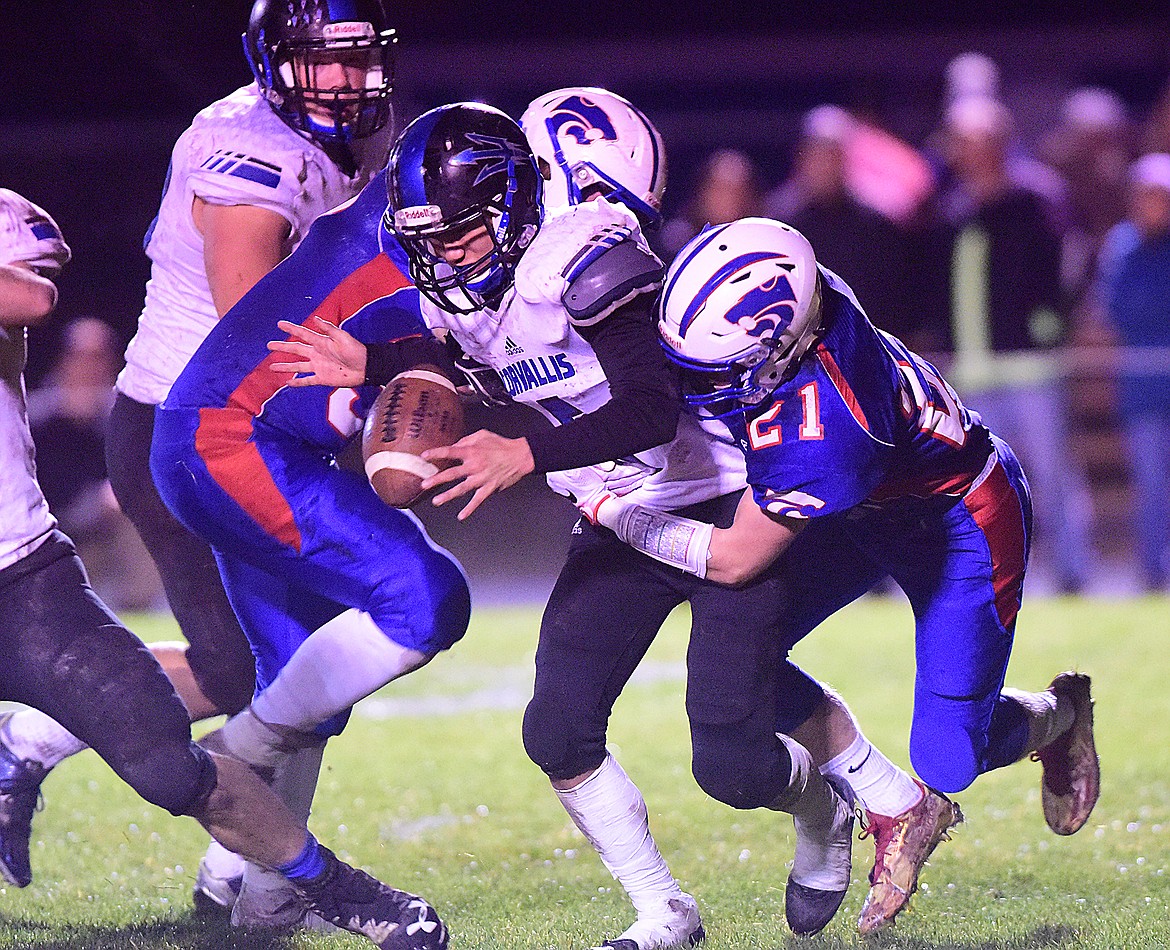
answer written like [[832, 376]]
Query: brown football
[[418, 410]]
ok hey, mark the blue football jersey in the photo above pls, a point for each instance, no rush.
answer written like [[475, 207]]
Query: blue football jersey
[[863, 421], [350, 271]]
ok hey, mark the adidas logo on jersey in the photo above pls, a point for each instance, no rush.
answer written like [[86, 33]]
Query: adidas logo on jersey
[[511, 347]]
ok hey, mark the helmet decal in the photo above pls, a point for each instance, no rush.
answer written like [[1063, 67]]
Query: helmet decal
[[766, 308], [581, 118], [740, 310], [592, 143], [494, 153]]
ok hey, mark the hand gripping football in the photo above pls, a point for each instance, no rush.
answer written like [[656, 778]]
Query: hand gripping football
[[418, 410]]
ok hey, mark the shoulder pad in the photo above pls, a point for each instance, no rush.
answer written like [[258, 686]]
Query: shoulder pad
[[609, 271], [540, 275]]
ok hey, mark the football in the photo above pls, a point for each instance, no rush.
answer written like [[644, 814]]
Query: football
[[418, 410]]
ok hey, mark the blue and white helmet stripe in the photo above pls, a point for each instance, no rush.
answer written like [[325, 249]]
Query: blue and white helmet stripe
[[408, 160], [592, 139]]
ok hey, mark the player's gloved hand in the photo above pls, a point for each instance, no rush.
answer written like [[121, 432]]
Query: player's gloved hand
[[592, 487], [479, 380]]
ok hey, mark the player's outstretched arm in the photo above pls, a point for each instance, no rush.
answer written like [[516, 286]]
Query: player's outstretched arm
[[742, 551], [729, 556], [321, 354]]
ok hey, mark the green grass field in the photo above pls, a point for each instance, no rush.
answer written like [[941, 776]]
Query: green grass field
[[430, 789]]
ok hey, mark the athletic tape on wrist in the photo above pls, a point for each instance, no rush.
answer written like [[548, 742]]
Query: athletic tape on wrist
[[679, 542]]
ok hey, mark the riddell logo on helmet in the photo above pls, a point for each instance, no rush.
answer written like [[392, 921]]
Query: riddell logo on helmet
[[417, 215], [348, 31], [669, 338]]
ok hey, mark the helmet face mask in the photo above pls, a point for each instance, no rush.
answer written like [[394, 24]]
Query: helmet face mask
[[326, 67], [740, 308], [465, 286], [464, 203], [592, 142], [718, 390]]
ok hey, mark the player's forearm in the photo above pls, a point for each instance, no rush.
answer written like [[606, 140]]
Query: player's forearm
[[729, 556], [643, 408], [615, 430], [733, 558]]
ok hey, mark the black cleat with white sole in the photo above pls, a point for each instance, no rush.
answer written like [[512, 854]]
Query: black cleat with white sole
[[355, 901]]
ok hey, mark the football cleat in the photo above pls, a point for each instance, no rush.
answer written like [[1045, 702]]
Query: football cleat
[[1071, 781], [352, 900], [678, 925], [903, 844], [20, 798], [274, 906], [810, 905], [213, 895]]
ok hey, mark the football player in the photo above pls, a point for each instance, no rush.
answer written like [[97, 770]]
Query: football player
[[65, 653], [560, 307], [864, 462], [245, 182], [590, 143]]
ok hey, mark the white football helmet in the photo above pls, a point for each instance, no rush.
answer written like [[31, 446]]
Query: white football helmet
[[591, 141], [739, 309]]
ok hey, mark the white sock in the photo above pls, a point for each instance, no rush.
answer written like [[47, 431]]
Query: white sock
[[296, 779], [824, 827], [222, 863], [295, 782], [342, 661], [248, 739], [880, 786], [30, 734], [1047, 718], [611, 813]]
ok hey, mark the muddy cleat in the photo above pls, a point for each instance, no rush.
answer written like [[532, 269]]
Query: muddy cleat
[[903, 845], [1071, 781], [354, 901], [824, 859], [678, 925], [20, 798], [270, 902], [213, 895]]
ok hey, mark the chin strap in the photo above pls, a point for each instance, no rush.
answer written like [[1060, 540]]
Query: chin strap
[[682, 543]]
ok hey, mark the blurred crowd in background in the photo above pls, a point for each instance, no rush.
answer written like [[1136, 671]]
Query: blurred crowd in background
[[1036, 279], [1033, 269]]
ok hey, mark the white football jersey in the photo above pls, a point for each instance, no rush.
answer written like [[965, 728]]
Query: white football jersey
[[545, 363], [236, 152], [30, 236]]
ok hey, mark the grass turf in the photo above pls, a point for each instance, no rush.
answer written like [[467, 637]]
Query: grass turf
[[429, 788]]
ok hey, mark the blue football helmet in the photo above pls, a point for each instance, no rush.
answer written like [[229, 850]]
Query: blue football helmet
[[326, 67], [740, 308], [455, 169]]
